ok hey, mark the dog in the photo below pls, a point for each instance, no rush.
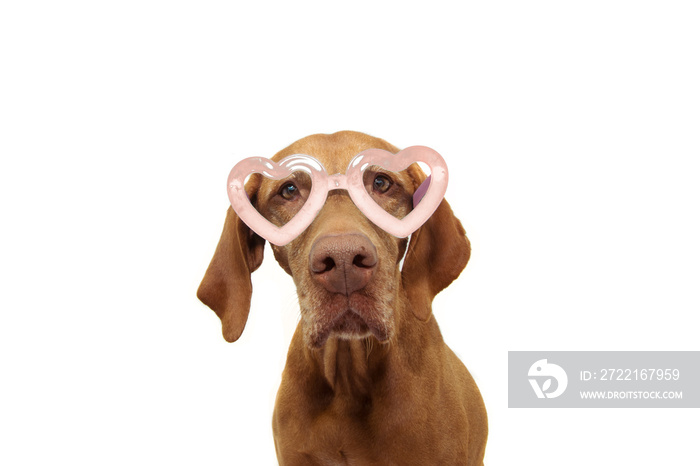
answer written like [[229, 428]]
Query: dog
[[368, 378]]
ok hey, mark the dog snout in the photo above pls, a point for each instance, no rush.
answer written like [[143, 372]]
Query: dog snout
[[343, 263]]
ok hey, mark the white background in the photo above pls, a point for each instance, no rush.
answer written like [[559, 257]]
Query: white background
[[572, 135]]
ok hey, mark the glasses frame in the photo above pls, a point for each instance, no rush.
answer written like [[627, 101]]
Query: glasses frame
[[425, 199]]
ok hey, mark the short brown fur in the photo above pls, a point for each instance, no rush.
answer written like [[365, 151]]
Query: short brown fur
[[394, 396]]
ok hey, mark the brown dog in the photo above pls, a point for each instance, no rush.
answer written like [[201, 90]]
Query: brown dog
[[369, 379]]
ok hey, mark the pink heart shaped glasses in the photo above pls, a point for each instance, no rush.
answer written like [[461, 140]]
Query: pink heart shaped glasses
[[425, 200]]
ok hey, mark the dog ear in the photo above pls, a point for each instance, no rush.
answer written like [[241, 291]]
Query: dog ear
[[226, 287], [437, 253]]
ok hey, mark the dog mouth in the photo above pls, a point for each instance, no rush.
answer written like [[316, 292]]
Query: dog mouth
[[353, 317], [350, 323]]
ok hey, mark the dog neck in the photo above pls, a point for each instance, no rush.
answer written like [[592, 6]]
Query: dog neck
[[346, 366], [355, 371]]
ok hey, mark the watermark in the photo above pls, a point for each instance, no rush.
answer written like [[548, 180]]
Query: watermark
[[604, 379], [547, 372]]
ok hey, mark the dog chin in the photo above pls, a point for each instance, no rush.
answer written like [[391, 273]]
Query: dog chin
[[355, 318]]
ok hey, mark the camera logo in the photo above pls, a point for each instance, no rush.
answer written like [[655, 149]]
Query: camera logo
[[545, 372]]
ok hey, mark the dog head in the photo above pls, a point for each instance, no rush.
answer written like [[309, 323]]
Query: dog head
[[346, 269]]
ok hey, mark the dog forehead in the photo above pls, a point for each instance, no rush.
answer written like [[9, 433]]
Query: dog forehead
[[335, 151]]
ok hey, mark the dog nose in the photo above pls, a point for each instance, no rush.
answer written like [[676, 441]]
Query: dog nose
[[343, 263]]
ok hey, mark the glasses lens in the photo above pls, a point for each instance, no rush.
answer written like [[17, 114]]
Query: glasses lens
[[391, 191], [283, 199]]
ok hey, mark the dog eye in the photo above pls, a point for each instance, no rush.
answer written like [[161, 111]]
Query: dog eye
[[289, 191], [381, 184]]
